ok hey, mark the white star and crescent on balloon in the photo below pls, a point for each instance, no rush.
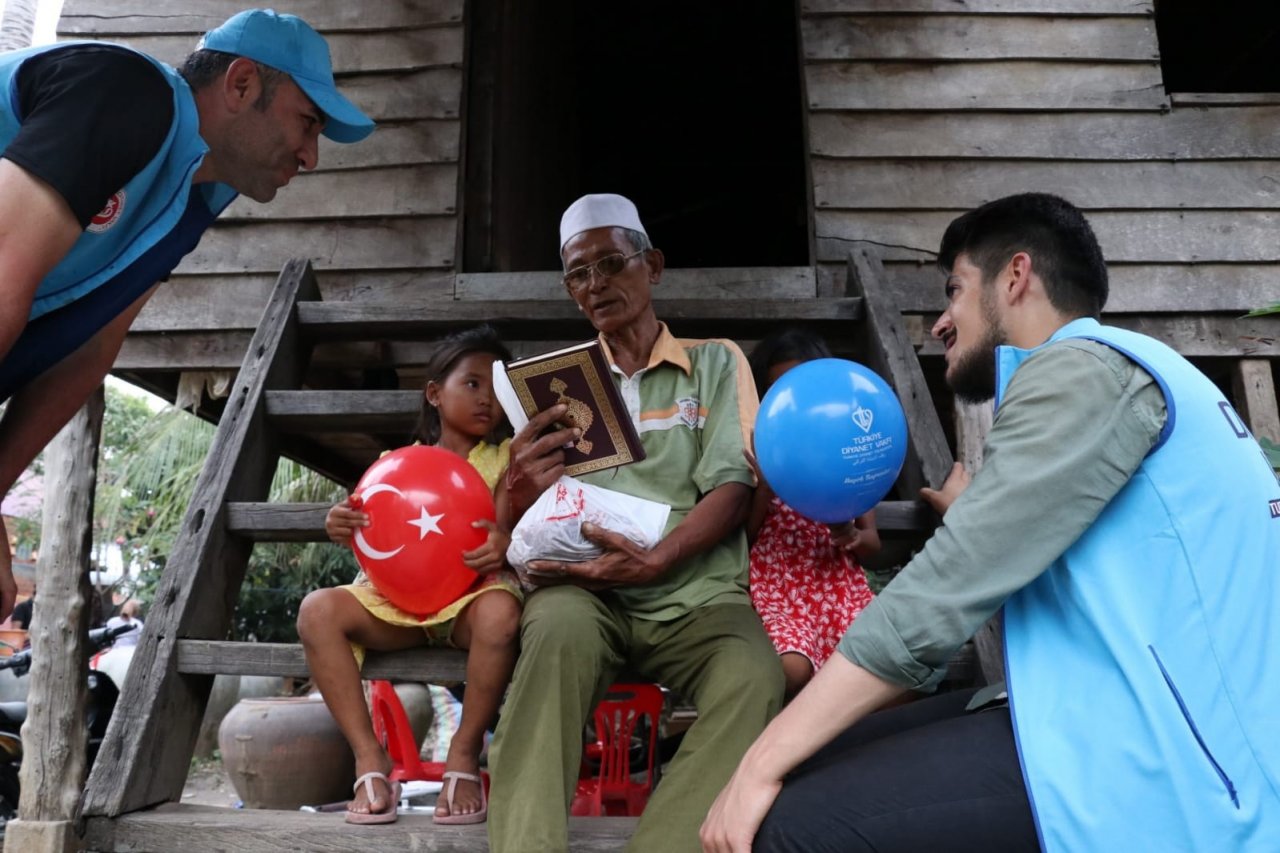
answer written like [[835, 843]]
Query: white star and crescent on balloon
[[425, 522]]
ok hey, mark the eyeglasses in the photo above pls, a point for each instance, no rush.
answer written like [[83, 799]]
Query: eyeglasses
[[579, 278]]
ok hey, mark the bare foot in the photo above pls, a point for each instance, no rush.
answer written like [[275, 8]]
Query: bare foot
[[467, 798], [360, 803]]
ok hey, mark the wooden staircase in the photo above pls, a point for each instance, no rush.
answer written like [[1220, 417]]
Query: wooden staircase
[[133, 797]]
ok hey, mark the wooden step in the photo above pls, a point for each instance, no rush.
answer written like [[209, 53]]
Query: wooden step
[[304, 522], [220, 657], [208, 829], [344, 411], [528, 319]]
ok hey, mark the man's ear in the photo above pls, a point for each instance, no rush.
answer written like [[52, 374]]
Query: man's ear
[[1016, 282], [241, 85], [656, 263]]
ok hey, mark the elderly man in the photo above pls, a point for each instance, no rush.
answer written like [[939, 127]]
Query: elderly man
[[678, 614], [112, 165], [1129, 525]]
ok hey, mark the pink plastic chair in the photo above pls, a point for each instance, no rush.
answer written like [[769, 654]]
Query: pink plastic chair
[[612, 791]]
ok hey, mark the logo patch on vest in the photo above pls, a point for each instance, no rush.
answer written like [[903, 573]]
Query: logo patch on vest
[[1275, 508], [109, 215]]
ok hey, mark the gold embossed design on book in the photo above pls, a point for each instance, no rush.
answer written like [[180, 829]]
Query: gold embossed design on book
[[541, 384]]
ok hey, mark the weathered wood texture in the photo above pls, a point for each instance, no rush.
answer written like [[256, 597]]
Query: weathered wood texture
[[148, 746], [207, 829], [980, 7], [131, 17], [205, 657], [1255, 395], [891, 355], [53, 734]]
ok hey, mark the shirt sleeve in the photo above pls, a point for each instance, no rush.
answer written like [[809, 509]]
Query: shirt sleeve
[[92, 118], [729, 398], [1075, 424]]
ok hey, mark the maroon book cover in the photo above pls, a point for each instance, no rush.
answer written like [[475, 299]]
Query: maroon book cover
[[579, 377]]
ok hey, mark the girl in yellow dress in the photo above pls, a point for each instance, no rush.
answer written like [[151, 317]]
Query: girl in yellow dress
[[459, 414]]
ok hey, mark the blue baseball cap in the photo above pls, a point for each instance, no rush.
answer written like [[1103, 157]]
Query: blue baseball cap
[[289, 44]]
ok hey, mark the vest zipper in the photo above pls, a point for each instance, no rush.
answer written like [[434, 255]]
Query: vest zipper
[[1186, 715]]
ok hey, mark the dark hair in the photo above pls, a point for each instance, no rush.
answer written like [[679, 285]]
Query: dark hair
[[444, 358], [790, 344], [204, 67], [1052, 230]]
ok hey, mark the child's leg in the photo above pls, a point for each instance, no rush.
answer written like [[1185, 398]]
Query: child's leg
[[489, 627], [797, 670], [329, 620]]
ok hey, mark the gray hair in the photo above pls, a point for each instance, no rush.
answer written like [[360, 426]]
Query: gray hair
[[205, 67], [638, 239]]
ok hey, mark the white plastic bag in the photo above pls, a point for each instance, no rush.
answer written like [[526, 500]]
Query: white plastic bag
[[551, 529]]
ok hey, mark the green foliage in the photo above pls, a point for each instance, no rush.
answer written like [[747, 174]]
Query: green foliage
[[1272, 451], [1270, 309], [145, 498]]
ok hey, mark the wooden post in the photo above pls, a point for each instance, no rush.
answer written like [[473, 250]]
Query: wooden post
[[1255, 395], [53, 736], [973, 422]]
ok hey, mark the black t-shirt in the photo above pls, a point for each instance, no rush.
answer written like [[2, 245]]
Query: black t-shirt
[[22, 613], [92, 117]]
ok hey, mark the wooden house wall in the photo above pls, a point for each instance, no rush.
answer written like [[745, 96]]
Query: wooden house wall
[[917, 110], [921, 109], [379, 219]]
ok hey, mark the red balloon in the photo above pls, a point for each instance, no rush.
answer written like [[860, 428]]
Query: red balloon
[[421, 502]]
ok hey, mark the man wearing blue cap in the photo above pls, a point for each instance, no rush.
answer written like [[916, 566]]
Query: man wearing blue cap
[[112, 165]]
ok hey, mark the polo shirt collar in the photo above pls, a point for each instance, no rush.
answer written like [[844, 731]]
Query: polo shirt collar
[[666, 348]]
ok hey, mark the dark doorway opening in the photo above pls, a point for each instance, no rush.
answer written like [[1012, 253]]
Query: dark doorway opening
[[1225, 46], [693, 112]]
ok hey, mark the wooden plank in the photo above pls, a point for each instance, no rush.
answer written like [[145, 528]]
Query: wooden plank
[[1135, 288], [343, 411], [1014, 85], [1255, 397], [213, 657], [1183, 134], [396, 191], [147, 751], [208, 829], [396, 144], [433, 93], [86, 17], [891, 355], [183, 351], [395, 50], [1196, 336], [204, 302], [262, 247], [534, 318], [871, 184], [1141, 8], [693, 283], [278, 522], [970, 37], [1224, 99], [1200, 236], [53, 733]]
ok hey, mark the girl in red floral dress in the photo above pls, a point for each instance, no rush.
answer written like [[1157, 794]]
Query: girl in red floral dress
[[807, 582]]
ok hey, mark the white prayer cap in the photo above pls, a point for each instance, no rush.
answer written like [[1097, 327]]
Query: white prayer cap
[[601, 210]]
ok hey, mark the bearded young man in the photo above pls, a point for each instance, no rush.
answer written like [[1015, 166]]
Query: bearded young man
[[1128, 526]]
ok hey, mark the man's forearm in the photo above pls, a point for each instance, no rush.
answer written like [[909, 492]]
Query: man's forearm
[[718, 514]]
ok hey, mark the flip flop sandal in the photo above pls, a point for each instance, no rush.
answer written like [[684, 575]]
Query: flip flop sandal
[[387, 816], [450, 778]]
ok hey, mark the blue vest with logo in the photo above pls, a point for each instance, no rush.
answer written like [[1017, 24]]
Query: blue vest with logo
[[142, 215], [1144, 664]]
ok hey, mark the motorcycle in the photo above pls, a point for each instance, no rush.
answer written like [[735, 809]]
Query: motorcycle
[[102, 697]]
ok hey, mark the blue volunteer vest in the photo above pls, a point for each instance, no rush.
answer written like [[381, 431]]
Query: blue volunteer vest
[[1144, 664], [138, 218]]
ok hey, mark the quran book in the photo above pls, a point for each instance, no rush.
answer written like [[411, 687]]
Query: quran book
[[578, 376]]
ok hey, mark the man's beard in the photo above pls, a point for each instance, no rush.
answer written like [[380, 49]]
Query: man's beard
[[973, 377]]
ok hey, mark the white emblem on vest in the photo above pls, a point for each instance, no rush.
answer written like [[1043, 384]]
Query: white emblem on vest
[[109, 215]]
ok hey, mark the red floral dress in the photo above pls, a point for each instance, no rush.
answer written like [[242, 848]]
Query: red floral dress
[[805, 590]]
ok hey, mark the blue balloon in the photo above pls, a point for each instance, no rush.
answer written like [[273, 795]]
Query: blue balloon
[[830, 439]]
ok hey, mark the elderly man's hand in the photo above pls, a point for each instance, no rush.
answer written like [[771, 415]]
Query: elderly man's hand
[[623, 563], [536, 462]]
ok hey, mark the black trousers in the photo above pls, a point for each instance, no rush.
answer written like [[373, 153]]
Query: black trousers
[[921, 777]]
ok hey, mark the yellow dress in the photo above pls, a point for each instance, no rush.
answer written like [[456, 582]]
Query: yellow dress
[[491, 462]]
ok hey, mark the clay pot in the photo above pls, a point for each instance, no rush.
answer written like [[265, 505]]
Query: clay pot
[[285, 752]]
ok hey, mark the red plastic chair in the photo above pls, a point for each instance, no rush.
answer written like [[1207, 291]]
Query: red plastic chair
[[391, 726], [612, 791]]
